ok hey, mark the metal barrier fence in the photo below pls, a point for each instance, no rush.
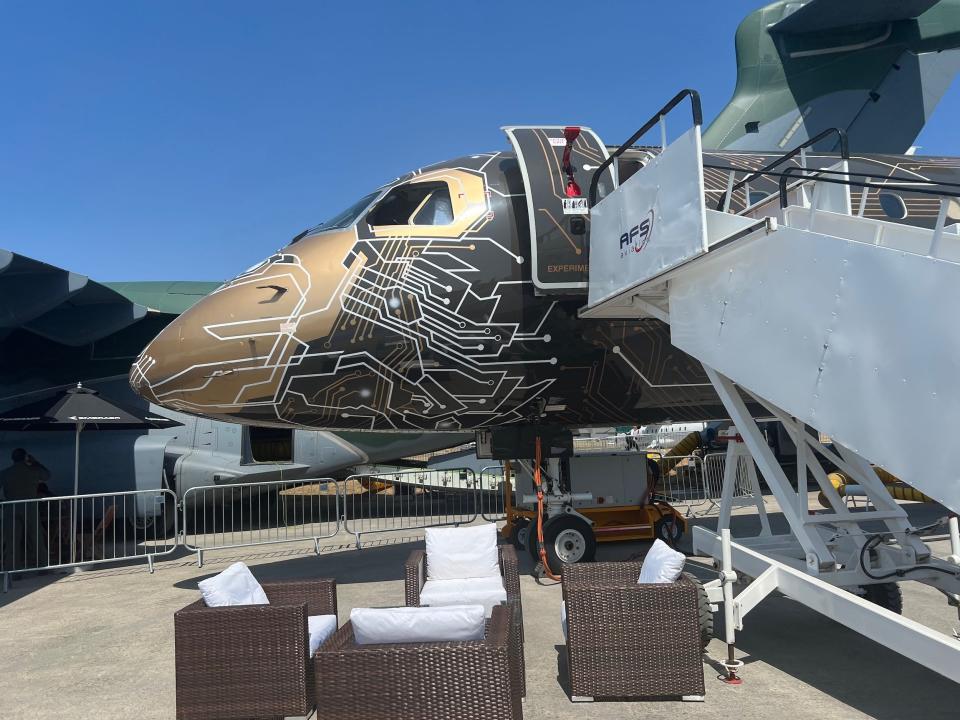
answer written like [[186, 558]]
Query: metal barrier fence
[[387, 502], [683, 482], [60, 532], [714, 465], [74, 530], [493, 490], [218, 517]]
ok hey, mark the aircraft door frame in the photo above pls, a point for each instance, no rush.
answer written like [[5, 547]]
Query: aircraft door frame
[[555, 249]]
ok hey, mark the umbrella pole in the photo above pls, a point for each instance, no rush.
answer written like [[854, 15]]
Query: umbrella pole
[[76, 491]]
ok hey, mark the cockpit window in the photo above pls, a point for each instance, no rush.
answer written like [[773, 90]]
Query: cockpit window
[[436, 209], [341, 220], [426, 203]]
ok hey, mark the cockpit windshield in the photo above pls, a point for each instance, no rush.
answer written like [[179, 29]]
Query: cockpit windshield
[[343, 219]]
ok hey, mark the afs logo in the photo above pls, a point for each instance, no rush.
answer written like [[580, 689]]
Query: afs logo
[[636, 238]]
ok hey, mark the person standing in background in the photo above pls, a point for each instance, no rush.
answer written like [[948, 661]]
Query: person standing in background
[[23, 537]]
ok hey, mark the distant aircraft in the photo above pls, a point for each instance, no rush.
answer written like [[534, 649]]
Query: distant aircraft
[[58, 327], [448, 299]]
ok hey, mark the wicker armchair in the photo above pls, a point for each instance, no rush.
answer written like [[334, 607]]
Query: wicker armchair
[[419, 681], [626, 640], [415, 575], [250, 661]]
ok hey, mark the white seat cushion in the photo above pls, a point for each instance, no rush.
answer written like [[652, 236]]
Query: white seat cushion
[[467, 552], [563, 619], [320, 627], [486, 591], [662, 564], [373, 626], [234, 586]]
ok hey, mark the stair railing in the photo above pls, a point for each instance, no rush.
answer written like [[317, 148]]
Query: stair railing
[[647, 126], [724, 202]]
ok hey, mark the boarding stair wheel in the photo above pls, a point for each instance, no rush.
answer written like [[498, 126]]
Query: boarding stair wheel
[[886, 595], [704, 613]]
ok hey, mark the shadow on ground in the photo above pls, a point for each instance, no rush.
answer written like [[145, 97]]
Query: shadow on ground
[[369, 565]]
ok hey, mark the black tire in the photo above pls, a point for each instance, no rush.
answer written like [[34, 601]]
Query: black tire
[[519, 532], [668, 529], [886, 595], [703, 609], [568, 539]]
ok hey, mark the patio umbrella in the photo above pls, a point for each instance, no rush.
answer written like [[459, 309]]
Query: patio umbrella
[[77, 409]]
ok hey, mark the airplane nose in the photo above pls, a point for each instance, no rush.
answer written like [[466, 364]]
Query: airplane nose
[[220, 357], [188, 367], [227, 356]]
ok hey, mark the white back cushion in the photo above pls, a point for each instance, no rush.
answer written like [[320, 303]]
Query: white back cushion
[[662, 564], [488, 591], [234, 586], [320, 627], [417, 624], [467, 552]]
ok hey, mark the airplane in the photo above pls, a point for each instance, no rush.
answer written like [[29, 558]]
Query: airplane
[[448, 299], [455, 298], [58, 328]]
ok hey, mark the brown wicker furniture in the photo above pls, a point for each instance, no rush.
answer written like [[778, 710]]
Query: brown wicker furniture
[[419, 681], [415, 575], [626, 640], [250, 661]]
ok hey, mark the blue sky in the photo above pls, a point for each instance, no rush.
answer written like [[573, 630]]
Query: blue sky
[[187, 140]]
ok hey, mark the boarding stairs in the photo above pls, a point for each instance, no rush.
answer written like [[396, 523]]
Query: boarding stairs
[[802, 309]]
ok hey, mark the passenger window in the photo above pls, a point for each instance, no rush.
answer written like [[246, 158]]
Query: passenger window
[[892, 205], [414, 204]]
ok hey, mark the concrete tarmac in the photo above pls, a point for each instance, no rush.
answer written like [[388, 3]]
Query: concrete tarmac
[[99, 644]]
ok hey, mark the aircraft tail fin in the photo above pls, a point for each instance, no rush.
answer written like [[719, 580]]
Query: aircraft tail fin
[[876, 68]]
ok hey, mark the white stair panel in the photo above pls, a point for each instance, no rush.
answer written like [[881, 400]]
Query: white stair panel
[[855, 339]]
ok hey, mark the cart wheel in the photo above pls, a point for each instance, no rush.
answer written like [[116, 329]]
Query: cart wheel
[[568, 539], [668, 529], [519, 532], [530, 540], [886, 595], [703, 608]]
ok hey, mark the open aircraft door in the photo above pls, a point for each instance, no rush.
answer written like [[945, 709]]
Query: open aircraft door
[[557, 164]]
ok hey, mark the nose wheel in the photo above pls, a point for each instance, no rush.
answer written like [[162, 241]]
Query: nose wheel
[[567, 539]]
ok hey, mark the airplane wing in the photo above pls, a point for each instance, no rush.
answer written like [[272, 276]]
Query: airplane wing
[[876, 68]]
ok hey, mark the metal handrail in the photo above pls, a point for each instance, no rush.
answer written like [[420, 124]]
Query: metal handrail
[[793, 170], [887, 179], [677, 99], [844, 155]]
